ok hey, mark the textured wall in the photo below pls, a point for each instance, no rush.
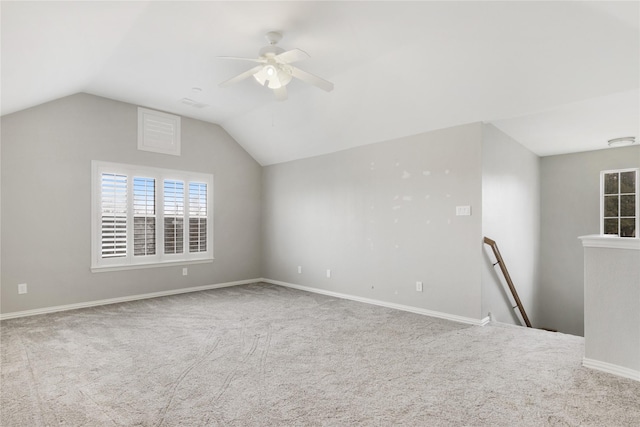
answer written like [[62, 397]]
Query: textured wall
[[382, 217], [570, 207], [46, 211], [511, 217], [612, 305]]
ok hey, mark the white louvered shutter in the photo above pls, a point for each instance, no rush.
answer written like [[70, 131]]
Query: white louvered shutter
[[173, 216], [144, 216], [197, 217], [113, 234]]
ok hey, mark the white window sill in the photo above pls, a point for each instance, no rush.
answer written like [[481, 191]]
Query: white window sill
[[152, 265], [610, 241]]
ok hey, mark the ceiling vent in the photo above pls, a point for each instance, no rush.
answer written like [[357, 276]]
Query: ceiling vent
[[195, 104], [622, 142]]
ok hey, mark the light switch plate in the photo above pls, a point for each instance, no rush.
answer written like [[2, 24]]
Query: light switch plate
[[463, 210]]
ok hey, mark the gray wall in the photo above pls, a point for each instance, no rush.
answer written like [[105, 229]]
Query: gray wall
[[570, 207], [382, 217], [46, 193], [612, 306], [511, 217]]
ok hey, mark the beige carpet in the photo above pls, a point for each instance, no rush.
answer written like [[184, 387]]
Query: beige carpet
[[263, 355]]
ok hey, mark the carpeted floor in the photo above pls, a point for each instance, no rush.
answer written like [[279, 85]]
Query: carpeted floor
[[264, 355]]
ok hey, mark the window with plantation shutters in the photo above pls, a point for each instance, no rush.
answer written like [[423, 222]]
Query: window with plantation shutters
[[113, 215], [144, 216], [173, 216], [197, 217]]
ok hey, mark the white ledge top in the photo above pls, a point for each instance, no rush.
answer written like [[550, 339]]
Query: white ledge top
[[610, 241]]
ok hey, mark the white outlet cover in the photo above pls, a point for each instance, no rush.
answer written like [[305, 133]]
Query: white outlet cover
[[419, 286], [22, 288], [328, 273]]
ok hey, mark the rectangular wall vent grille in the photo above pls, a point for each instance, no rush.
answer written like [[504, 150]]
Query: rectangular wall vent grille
[[158, 132]]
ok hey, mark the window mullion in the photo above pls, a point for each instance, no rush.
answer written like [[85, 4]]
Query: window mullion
[[160, 217], [620, 204], [130, 215], [155, 216], [185, 219]]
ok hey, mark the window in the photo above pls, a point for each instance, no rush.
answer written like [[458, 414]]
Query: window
[[173, 216], [619, 202], [144, 216], [114, 215], [197, 217]]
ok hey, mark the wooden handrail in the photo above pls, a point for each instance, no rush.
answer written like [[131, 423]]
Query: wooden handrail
[[505, 272]]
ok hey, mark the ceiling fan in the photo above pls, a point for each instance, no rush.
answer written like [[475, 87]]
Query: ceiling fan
[[275, 70]]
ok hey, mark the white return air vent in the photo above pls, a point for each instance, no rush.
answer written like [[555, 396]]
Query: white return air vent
[[158, 132]]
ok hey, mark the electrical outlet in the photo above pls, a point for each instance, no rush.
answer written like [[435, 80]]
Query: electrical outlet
[[185, 271], [419, 286], [299, 269], [22, 288], [328, 273]]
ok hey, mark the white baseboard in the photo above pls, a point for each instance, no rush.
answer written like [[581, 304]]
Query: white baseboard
[[58, 308], [610, 368], [423, 311], [509, 325]]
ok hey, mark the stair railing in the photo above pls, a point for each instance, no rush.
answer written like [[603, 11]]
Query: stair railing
[[505, 273]]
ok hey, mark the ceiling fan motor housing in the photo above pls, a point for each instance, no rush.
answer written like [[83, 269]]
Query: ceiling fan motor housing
[[274, 74], [270, 51]]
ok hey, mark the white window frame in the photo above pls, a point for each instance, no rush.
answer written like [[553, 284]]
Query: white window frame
[[159, 258], [637, 201]]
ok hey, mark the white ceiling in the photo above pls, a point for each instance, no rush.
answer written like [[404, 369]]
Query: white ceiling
[[557, 76]]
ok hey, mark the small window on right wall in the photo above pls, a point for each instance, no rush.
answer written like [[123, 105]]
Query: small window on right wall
[[619, 202]]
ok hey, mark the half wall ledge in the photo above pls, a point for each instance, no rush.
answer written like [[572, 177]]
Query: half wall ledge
[[610, 241], [612, 305]]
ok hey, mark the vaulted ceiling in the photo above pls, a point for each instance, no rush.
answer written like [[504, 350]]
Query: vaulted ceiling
[[559, 77]]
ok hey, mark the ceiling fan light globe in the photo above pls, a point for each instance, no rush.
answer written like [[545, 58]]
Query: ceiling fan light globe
[[261, 76], [284, 77], [273, 76]]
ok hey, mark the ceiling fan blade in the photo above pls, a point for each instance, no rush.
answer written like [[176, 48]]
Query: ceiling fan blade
[[241, 76], [311, 79], [281, 93], [261, 60], [291, 56]]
